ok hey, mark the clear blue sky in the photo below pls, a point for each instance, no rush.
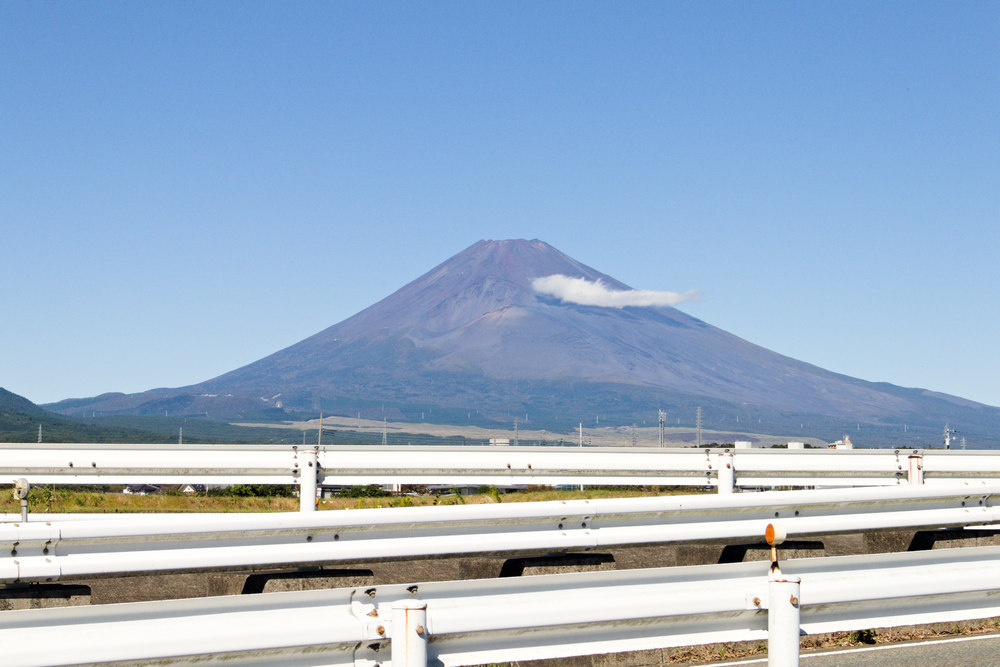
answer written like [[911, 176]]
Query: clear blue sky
[[188, 187]]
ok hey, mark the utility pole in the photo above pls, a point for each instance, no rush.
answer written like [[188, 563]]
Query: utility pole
[[663, 418], [698, 425], [634, 438], [39, 434], [948, 432], [385, 437], [581, 434], [180, 436], [515, 432]]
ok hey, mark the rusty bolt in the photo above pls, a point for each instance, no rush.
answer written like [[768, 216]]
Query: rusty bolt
[[420, 629], [380, 629], [756, 602], [794, 600]]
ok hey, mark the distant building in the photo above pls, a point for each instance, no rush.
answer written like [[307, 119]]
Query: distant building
[[140, 489], [746, 444], [842, 444], [500, 442], [796, 445]]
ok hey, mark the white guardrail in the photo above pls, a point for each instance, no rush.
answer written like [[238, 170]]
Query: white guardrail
[[45, 550], [501, 466], [502, 620]]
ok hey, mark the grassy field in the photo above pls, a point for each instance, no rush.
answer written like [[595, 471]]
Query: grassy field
[[62, 500]]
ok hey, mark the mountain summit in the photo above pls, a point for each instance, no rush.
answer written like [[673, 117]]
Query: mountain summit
[[482, 333]]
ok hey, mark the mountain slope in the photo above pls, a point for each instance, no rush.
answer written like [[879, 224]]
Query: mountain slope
[[20, 419], [474, 334]]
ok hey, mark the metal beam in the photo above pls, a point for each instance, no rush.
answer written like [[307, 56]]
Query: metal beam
[[502, 466], [41, 550], [502, 620]]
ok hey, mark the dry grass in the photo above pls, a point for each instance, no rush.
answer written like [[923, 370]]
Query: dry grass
[[54, 499], [709, 653], [45, 500]]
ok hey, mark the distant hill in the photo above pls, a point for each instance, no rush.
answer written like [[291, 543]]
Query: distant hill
[[11, 403], [476, 340], [20, 419]]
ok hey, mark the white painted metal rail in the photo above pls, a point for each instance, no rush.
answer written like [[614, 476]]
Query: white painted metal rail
[[45, 550], [726, 469], [500, 620]]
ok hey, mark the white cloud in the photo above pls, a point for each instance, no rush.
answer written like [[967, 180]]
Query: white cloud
[[594, 293]]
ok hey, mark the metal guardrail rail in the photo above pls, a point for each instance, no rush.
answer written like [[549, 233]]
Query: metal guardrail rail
[[46, 550], [726, 469], [499, 620]]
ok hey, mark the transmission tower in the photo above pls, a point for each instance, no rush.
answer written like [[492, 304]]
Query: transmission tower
[[515, 432], [663, 418], [635, 440], [698, 424], [385, 437], [39, 434]]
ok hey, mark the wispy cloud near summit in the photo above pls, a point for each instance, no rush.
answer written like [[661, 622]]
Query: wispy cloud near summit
[[595, 293]]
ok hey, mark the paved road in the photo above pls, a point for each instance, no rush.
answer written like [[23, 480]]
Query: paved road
[[965, 651]]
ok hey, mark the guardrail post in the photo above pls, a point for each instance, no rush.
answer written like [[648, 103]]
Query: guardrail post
[[727, 472], [21, 490], [308, 474], [783, 620], [916, 475], [409, 633]]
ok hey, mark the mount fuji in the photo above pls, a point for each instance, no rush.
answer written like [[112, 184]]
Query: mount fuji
[[505, 328]]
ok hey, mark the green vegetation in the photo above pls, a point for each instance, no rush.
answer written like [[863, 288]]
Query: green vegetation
[[253, 491], [198, 430], [369, 491], [276, 498]]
